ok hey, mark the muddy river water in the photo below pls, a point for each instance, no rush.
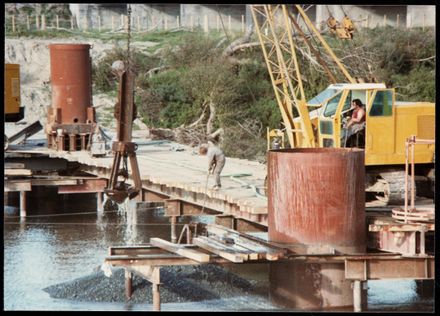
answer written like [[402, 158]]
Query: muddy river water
[[63, 238]]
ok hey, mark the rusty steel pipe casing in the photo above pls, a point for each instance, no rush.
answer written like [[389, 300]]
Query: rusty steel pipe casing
[[71, 80], [317, 198], [71, 120]]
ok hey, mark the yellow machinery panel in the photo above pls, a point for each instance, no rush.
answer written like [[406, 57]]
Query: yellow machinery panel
[[416, 118], [13, 111]]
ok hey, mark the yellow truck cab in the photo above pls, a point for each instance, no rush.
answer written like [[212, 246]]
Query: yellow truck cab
[[387, 123]]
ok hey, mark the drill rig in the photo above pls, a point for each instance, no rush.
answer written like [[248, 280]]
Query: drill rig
[[123, 148]]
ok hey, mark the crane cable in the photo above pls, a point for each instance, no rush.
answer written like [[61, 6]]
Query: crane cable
[[128, 34]]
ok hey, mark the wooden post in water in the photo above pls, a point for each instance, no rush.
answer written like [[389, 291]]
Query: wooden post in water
[[128, 284], [357, 296], [23, 204], [173, 229], [58, 21], [397, 21], [99, 202], [99, 23], [71, 22], [28, 23], [385, 20], [156, 297]]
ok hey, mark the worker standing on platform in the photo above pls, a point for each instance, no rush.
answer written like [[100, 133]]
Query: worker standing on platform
[[216, 162]]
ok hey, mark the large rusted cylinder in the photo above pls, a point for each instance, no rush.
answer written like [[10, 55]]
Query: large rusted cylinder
[[70, 69], [317, 198]]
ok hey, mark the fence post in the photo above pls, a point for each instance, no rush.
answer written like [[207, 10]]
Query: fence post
[[242, 23], [71, 22], [28, 23], [385, 20], [397, 21], [37, 22], [408, 24], [206, 24], [43, 22], [165, 22], [423, 25], [177, 22], [58, 21], [229, 22], [218, 23], [85, 23], [122, 20], [13, 24], [367, 21], [192, 22], [138, 23]]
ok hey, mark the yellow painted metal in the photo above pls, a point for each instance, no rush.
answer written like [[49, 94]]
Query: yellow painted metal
[[324, 43], [12, 89], [283, 101], [284, 72], [337, 119], [385, 137], [274, 133]]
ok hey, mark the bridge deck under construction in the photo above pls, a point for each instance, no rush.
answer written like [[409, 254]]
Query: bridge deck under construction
[[174, 171]]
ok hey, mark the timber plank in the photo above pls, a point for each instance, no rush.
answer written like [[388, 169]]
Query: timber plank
[[18, 172], [180, 250], [14, 165], [219, 249], [270, 252]]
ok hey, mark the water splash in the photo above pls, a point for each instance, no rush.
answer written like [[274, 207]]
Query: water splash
[[131, 221]]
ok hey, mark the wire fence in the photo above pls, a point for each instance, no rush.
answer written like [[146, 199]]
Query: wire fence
[[115, 23], [206, 23]]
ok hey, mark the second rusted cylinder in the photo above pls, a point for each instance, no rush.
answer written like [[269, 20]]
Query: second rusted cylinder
[[70, 69], [317, 198]]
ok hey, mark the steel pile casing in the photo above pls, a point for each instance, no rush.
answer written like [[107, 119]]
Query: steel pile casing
[[70, 70], [71, 117], [317, 198]]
